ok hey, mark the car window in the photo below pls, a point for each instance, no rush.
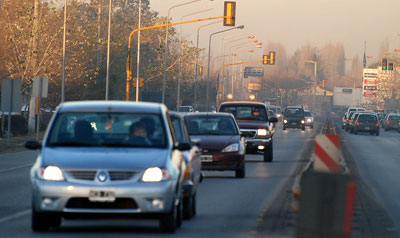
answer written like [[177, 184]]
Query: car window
[[367, 118], [246, 112], [107, 129], [206, 125], [394, 117], [178, 130], [307, 114], [294, 112]]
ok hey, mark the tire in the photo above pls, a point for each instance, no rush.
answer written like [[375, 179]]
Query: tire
[[269, 154], [377, 133], [167, 221], [346, 128], [179, 211], [42, 221], [351, 131], [386, 129], [303, 128], [284, 128], [194, 204], [188, 207], [241, 173], [312, 126], [355, 132]]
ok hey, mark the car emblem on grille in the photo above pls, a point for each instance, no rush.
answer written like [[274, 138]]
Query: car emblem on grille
[[102, 176]]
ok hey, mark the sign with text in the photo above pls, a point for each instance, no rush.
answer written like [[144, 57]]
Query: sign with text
[[253, 71], [40, 86], [11, 95]]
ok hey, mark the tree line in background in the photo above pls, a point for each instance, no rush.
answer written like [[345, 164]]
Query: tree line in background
[[31, 45]]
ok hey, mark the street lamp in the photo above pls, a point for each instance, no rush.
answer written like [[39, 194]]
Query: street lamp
[[166, 46], [197, 59], [209, 54], [63, 53], [108, 46], [180, 55]]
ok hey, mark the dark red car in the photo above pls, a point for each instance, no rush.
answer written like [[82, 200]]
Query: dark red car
[[256, 126], [220, 141]]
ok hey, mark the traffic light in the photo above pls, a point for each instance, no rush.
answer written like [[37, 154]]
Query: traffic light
[[141, 82], [269, 59], [272, 57], [384, 63], [391, 65], [323, 83], [229, 13], [265, 59], [200, 70]]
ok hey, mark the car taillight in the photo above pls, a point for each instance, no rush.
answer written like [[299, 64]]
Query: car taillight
[[348, 120], [388, 122], [377, 124], [357, 123]]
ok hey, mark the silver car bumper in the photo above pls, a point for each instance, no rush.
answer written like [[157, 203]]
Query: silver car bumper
[[67, 197]]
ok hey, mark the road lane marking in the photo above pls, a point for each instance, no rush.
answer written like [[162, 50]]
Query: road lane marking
[[15, 216], [14, 168]]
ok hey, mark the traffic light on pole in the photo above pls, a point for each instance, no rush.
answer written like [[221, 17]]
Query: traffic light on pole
[[272, 57], [323, 83], [141, 82], [229, 13], [265, 59], [384, 64], [391, 65]]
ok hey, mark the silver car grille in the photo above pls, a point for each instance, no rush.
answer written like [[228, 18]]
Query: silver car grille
[[121, 175], [249, 133], [82, 174], [91, 174]]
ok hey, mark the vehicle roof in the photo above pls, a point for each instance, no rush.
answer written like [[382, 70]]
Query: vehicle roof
[[243, 103], [114, 106], [210, 114]]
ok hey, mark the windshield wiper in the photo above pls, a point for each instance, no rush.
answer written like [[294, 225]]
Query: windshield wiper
[[71, 143]]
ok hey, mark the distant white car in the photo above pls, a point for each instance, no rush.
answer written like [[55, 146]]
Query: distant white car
[[309, 119]]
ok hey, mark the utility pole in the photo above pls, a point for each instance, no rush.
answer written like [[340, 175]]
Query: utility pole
[[99, 53], [34, 50]]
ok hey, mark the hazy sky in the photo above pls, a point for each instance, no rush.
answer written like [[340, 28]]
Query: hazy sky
[[297, 22]]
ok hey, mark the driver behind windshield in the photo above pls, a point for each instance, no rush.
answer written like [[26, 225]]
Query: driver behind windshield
[[138, 134]]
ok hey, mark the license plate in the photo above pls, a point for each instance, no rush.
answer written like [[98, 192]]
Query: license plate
[[206, 158], [293, 123], [101, 196], [367, 128]]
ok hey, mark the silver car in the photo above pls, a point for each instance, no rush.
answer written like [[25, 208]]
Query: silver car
[[103, 158], [309, 118]]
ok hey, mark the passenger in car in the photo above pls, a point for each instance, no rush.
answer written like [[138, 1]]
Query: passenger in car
[[83, 132], [138, 134]]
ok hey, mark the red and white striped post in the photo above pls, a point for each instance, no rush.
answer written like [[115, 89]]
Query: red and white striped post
[[327, 153]]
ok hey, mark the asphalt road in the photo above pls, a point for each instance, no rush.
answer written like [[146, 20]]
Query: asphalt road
[[227, 206], [378, 161]]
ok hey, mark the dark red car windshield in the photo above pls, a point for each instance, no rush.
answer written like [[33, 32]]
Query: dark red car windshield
[[244, 112]]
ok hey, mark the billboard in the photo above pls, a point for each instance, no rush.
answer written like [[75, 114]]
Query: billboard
[[370, 82]]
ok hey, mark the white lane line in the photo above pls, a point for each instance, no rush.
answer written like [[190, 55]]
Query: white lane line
[[14, 168], [15, 216]]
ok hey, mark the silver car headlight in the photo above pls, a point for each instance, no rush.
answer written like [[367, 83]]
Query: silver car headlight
[[278, 115], [302, 121], [309, 120], [231, 148], [285, 121], [262, 132], [51, 173], [154, 174]]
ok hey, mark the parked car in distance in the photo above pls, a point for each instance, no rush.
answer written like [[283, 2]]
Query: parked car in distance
[[256, 126], [108, 158], [220, 141], [191, 157], [277, 111], [367, 122], [185, 109], [309, 118], [294, 117], [391, 122]]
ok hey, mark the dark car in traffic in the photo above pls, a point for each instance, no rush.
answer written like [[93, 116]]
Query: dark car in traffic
[[220, 141], [367, 122], [256, 126], [294, 117], [193, 175]]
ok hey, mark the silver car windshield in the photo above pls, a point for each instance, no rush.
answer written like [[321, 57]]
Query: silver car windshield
[[107, 129]]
